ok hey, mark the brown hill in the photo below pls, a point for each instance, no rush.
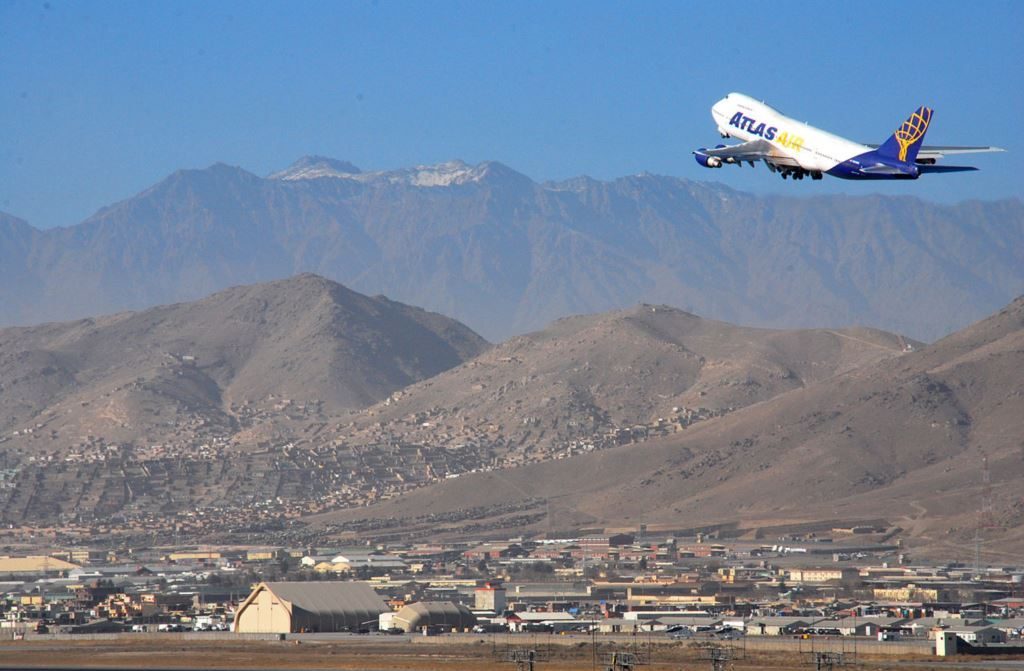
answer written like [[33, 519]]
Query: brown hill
[[905, 440], [188, 373], [594, 381]]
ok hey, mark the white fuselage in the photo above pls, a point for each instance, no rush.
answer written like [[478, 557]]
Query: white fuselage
[[798, 144]]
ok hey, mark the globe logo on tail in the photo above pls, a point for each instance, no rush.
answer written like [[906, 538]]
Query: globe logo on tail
[[912, 130]]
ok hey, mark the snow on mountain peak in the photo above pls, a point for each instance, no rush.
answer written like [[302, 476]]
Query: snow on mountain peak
[[315, 167], [442, 174], [453, 172]]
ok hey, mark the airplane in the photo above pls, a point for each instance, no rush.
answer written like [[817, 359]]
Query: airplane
[[794, 149]]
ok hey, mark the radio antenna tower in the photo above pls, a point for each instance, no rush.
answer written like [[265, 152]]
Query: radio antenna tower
[[986, 518]]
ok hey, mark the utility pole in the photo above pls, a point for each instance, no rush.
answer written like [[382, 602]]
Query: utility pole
[[718, 656], [624, 661], [628, 660], [825, 661], [526, 658]]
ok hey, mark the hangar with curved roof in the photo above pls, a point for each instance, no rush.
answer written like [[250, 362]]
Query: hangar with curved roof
[[417, 616], [293, 607]]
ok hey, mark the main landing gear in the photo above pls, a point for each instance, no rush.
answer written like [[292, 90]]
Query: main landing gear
[[796, 173]]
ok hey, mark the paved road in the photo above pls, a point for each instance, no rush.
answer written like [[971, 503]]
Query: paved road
[[958, 663]]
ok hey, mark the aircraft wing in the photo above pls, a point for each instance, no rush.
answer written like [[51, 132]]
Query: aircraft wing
[[754, 150]]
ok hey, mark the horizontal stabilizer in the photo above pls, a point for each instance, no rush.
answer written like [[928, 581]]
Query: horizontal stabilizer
[[938, 151], [945, 168], [882, 169]]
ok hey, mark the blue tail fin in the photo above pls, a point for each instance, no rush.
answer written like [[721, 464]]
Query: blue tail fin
[[904, 144]]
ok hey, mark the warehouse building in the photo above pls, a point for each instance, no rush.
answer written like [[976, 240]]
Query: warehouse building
[[293, 607], [34, 565], [434, 614]]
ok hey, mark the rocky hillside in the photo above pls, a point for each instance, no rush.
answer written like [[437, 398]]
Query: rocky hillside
[[596, 381], [906, 439], [238, 366]]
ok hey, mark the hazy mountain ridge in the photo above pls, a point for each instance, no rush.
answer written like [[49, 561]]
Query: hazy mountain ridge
[[19, 285], [505, 255]]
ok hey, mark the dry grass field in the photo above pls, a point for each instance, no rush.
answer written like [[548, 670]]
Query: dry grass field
[[387, 655]]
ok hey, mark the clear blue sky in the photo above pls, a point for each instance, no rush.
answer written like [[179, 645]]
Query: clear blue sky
[[99, 100]]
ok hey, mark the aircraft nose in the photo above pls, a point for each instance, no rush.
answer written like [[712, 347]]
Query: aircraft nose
[[717, 109]]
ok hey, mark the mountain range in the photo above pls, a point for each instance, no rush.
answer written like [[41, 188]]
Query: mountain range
[[285, 393], [506, 255]]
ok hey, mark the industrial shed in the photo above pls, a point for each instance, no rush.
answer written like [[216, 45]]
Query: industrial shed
[[291, 607], [417, 616]]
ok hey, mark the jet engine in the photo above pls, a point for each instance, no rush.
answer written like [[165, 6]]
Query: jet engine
[[707, 161]]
